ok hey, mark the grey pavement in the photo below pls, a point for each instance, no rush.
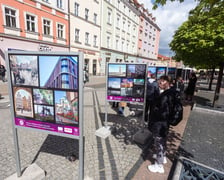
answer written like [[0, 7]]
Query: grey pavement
[[203, 137]]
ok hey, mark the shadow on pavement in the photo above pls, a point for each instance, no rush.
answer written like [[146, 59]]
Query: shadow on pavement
[[61, 146]]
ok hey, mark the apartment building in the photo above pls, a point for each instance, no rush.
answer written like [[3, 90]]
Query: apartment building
[[104, 30], [149, 35], [33, 25], [85, 32], [119, 32]]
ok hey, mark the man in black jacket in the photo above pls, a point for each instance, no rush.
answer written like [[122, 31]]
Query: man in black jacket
[[152, 92], [158, 123]]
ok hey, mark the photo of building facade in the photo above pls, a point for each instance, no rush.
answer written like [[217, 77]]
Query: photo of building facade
[[64, 74]]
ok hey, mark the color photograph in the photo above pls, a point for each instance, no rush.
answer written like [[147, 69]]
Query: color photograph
[[23, 102], [160, 71], [44, 113], [59, 72], [151, 71], [139, 82], [126, 82], [114, 85], [66, 107], [172, 72], [136, 71], [138, 91], [43, 96], [116, 70], [24, 70]]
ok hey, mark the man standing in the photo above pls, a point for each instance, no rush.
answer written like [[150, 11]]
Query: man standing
[[152, 92], [2, 72], [159, 123]]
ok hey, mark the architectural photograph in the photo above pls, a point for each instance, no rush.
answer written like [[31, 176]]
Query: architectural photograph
[[23, 102], [24, 70], [58, 72], [116, 70], [66, 107]]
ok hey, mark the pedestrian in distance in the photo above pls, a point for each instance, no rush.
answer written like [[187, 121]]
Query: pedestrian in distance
[[179, 85], [189, 92], [2, 72], [152, 92], [159, 123]]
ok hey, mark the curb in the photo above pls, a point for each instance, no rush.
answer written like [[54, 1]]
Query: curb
[[199, 109]]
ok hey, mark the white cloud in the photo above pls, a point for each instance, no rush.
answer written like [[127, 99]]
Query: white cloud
[[169, 18]]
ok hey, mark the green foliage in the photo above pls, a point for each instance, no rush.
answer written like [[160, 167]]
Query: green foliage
[[200, 40]]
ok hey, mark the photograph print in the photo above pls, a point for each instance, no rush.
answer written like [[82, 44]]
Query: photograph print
[[160, 71], [66, 107], [44, 113], [151, 71], [136, 71], [23, 102], [116, 70], [138, 91], [43, 96], [126, 86], [114, 86], [59, 72], [172, 72], [24, 70]]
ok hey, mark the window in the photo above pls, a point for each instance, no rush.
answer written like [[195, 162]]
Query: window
[[95, 18], [76, 35], [87, 38], [30, 23], [108, 42], [47, 27], [117, 44], [95, 41], [109, 17], [59, 3], [10, 17], [118, 21], [129, 27], [76, 12], [60, 28], [86, 14], [122, 46]]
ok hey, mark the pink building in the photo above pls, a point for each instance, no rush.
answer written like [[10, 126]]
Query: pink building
[[33, 25]]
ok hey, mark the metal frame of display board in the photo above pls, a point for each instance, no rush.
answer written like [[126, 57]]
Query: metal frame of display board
[[105, 130], [80, 108]]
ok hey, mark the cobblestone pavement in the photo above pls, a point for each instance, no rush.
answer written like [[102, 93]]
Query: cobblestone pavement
[[110, 158]]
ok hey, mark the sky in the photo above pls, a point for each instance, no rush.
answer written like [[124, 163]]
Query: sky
[[169, 17]]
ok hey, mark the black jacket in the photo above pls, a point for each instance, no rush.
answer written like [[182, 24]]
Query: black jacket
[[160, 112]]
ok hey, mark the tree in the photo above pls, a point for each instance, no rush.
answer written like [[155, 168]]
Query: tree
[[200, 40]]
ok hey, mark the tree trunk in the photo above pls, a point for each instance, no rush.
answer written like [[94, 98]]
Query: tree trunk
[[211, 79], [218, 85]]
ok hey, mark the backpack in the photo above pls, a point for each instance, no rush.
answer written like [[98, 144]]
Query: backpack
[[176, 112]]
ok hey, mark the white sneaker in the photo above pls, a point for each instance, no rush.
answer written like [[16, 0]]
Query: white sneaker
[[156, 168], [154, 156]]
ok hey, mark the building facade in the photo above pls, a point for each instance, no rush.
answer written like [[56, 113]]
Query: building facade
[[104, 30], [33, 25], [119, 32], [85, 32]]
